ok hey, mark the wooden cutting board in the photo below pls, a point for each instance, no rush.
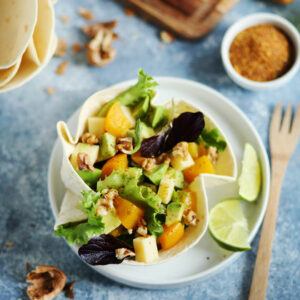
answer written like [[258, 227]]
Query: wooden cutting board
[[189, 19]]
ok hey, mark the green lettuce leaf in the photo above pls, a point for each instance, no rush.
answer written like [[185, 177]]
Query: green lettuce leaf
[[81, 233], [137, 139], [212, 138], [154, 225], [142, 89]]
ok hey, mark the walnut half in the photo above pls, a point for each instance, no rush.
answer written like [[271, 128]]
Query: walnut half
[[99, 50], [47, 283]]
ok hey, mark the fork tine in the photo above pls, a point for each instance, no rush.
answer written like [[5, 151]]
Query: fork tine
[[296, 122], [286, 123], [276, 118]]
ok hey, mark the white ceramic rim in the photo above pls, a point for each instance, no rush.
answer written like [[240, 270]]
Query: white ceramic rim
[[204, 274], [254, 19]]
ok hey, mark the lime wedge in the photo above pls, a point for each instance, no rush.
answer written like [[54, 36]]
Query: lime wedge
[[228, 225], [250, 179]]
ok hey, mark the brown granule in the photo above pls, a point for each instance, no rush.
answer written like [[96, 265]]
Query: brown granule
[[9, 245], [166, 37], [27, 266], [86, 14], [61, 48], [261, 53], [65, 19], [50, 90], [32, 225], [61, 68], [76, 48], [128, 12], [68, 289]]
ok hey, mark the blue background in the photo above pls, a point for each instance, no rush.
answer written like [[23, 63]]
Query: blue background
[[27, 133]]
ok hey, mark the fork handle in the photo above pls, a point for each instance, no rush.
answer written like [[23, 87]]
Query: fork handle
[[259, 283]]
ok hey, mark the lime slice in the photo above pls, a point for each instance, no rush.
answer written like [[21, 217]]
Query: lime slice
[[228, 225], [250, 179]]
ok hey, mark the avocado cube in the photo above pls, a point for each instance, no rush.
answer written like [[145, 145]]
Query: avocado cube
[[179, 179], [89, 177], [141, 109], [157, 175], [107, 146], [157, 116], [91, 150], [174, 213]]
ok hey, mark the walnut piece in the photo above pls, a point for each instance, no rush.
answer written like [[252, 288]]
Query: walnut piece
[[166, 37], [142, 228], [124, 144], [47, 283], [163, 158], [50, 90], [61, 48], [76, 48], [148, 164], [86, 14], [89, 138], [61, 68], [68, 289], [128, 12], [122, 253], [105, 204], [190, 219], [181, 149], [84, 162], [99, 50], [212, 154]]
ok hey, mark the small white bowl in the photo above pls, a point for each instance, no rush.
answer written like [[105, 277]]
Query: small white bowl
[[252, 20]]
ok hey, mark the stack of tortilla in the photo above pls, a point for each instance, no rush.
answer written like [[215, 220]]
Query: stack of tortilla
[[27, 40]]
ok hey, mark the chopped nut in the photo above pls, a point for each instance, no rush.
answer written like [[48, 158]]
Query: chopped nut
[[212, 154], [105, 204], [61, 68], [122, 253], [76, 48], [163, 158], [65, 19], [69, 293], [148, 164], [27, 266], [47, 283], [61, 48], [89, 138], [86, 14], [130, 231], [50, 90], [166, 37], [190, 219], [99, 50], [128, 12], [124, 144], [9, 245], [181, 149], [142, 228], [84, 162]]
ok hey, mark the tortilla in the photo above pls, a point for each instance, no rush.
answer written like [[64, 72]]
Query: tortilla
[[226, 169], [17, 21], [7, 74]]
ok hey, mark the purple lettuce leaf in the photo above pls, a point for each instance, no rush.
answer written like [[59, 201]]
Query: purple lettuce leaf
[[101, 250]]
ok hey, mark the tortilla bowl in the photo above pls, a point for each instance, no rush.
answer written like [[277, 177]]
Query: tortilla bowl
[[226, 169]]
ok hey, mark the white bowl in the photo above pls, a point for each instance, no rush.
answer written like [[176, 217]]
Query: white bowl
[[252, 20]]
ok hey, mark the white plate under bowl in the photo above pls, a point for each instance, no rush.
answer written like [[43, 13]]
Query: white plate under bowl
[[194, 264]]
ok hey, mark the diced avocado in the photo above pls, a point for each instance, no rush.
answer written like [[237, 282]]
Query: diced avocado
[[91, 150], [157, 115], [146, 131], [111, 221], [174, 213], [179, 179], [157, 175], [166, 187], [179, 196], [141, 109], [107, 146], [96, 125], [89, 177]]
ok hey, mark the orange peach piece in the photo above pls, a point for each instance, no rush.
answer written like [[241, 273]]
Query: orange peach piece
[[118, 162], [171, 236]]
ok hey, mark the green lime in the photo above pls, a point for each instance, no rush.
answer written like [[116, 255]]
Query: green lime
[[250, 179], [228, 225]]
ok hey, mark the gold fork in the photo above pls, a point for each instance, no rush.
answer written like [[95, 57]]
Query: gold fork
[[283, 140]]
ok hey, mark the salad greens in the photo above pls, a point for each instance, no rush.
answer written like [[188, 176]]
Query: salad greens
[[212, 138]]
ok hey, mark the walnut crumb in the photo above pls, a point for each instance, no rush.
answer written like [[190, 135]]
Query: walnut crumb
[[129, 12], [76, 48], [50, 90], [190, 219], [68, 289], [148, 164], [181, 149], [105, 204], [9, 245], [122, 253], [86, 14], [61, 68], [46, 283], [89, 138], [61, 48], [65, 19], [124, 144], [84, 162], [27, 266], [166, 37], [142, 228]]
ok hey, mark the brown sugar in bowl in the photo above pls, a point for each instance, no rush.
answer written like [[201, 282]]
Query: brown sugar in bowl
[[261, 51]]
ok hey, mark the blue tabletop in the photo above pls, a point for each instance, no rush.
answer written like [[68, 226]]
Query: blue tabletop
[[27, 133]]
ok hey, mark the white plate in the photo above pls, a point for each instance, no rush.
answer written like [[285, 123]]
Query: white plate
[[194, 264]]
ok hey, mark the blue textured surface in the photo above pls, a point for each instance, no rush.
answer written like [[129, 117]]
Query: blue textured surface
[[27, 133]]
